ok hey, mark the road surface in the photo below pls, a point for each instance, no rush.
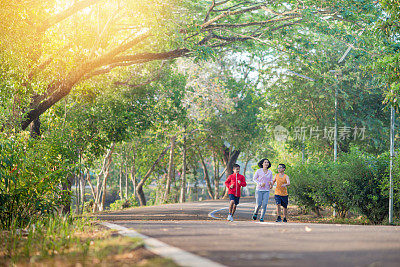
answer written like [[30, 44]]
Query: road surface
[[200, 228]]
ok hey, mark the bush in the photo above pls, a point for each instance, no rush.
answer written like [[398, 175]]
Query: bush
[[396, 184], [124, 203], [303, 186], [334, 188], [368, 176], [358, 181], [30, 178]]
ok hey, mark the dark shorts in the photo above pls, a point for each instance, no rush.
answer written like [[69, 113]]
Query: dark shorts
[[282, 200], [234, 198]]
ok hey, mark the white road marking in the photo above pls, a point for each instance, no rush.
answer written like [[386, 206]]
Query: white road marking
[[178, 255], [211, 214]]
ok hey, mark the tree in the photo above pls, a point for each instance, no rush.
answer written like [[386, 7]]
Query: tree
[[387, 65], [301, 97], [82, 41]]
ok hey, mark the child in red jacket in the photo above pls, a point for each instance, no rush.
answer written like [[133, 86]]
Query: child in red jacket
[[234, 182]]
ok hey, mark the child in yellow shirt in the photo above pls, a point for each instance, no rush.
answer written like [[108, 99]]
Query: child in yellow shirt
[[281, 194]]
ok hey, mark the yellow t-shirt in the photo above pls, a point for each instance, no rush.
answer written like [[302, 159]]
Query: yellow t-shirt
[[279, 190]]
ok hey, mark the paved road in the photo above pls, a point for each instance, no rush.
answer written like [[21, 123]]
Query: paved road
[[248, 243]]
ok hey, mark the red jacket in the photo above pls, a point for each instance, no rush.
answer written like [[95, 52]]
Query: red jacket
[[233, 180]]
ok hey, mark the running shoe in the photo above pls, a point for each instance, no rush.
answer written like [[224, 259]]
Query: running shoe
[[261, 220], [284, 219], [254, 216], [230, 218], [279, 219]]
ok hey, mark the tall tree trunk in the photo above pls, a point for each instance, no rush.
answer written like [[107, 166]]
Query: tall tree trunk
[[133, 171], [82, 186], [126, 181], [182, 196], [90, 183], [246, 189], [35, 128], [120, 183], [139, 187], [101, 184], [77, 195], [132, 177], [160, 188], [216, 177], [104, 190], [206, 176], [66, 194], [245, 167], [219, 180], [170, 170]]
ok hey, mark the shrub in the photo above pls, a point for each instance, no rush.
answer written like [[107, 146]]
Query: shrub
[[124, 203], [385, 185], [30, 178], [358, 181], [303, 186], [335, 189], [368, 175]]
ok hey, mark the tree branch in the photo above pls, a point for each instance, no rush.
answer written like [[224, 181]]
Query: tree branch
[[124, 61], [291, 12], [346, 20], [42, 66], [145, 57], [209, 11], [62, 88], [229, 13], [156, 77], [248, 24], [232, 7], [65, 14], [222, 2]]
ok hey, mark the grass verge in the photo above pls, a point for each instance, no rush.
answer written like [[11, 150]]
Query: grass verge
[[296, 215], [67, 241]]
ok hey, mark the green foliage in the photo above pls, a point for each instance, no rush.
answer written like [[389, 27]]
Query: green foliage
[[368, 173], [304, 183], [335, 188], [124, 203], [294, 102], [389, 68], [385, 184], [387, 64], [30, 175], [357, 182], [203, 53]]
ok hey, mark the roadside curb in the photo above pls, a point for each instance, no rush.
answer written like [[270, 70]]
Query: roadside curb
[[178, 255]]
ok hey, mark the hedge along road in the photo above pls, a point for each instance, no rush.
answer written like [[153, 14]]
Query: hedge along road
[[189, 227]]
